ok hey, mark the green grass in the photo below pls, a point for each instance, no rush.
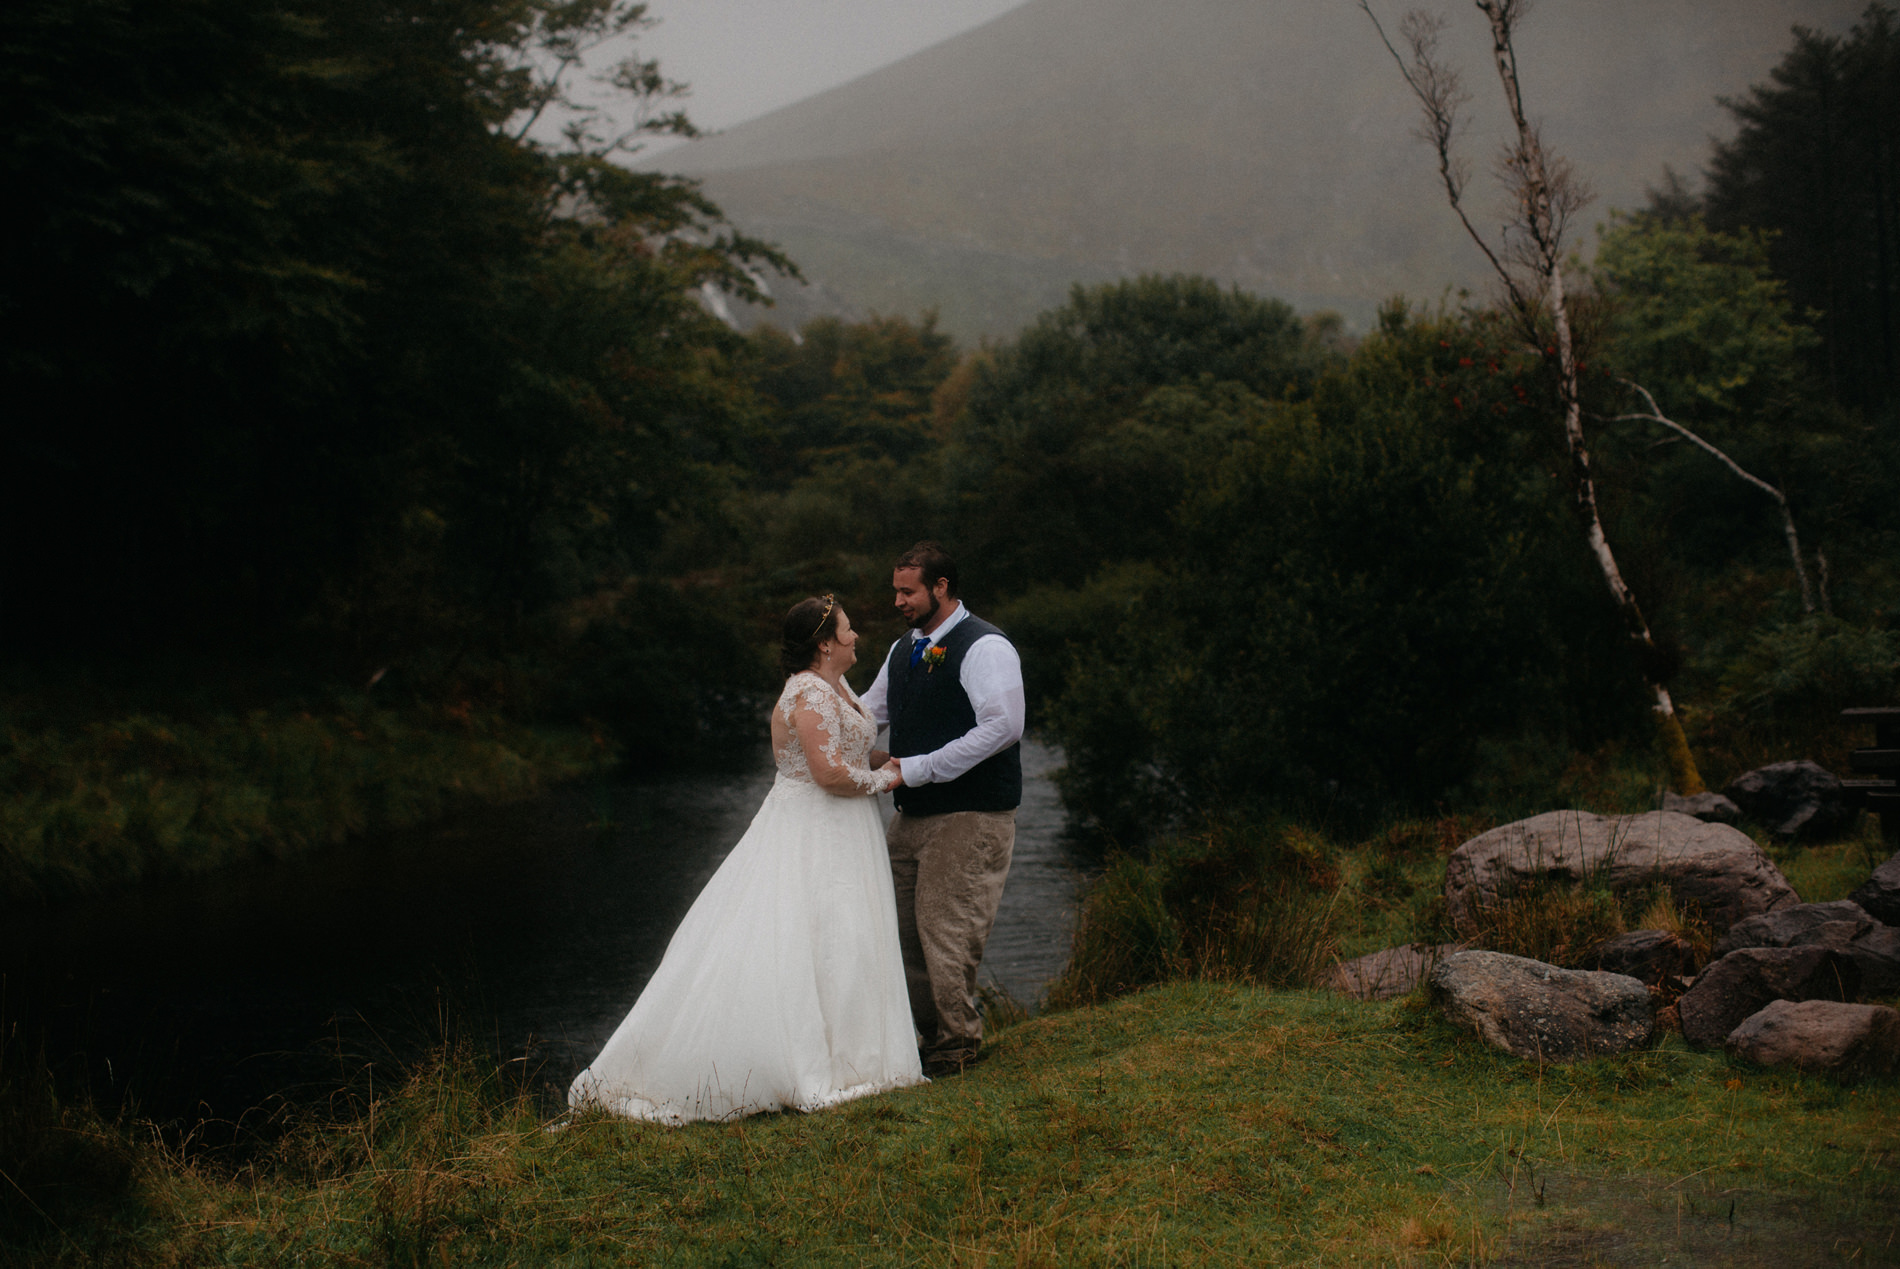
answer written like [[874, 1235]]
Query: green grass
[[1187, 1102], [90, 805], [1820, 874], [1190, 1124]]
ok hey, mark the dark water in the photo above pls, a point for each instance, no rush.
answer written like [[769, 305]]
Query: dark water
[[534, 927]]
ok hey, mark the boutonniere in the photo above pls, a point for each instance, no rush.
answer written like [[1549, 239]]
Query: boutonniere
[[933, 657]]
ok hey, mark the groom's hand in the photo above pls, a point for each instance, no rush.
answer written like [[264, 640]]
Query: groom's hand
[[897, 769], [878, 758]]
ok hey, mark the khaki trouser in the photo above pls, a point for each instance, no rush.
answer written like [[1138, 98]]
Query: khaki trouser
[[949, 871]]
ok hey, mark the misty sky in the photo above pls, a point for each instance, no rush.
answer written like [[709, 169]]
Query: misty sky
[[743, 58]]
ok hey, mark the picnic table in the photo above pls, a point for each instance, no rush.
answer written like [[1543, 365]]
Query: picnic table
[[1881, 794]]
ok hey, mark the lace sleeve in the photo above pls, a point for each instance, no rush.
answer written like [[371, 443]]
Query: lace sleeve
[[814, 714]]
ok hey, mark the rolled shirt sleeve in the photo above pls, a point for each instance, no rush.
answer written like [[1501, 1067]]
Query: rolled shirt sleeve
[[877, 698], [992, 677]]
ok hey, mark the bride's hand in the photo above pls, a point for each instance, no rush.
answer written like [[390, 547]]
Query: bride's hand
[[896, 769], [879, 757]]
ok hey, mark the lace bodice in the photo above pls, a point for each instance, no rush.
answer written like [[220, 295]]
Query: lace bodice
[[844, 734]]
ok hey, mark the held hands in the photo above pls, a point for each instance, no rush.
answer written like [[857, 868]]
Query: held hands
[[891, 765]]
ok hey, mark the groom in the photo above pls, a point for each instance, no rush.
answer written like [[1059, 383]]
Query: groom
[[951, 691]]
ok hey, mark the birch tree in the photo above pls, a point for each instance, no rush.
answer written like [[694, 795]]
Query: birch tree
[[1653, 414], [1528, 259]]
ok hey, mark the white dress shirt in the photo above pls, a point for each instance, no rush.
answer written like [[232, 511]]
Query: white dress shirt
[[991, 675]]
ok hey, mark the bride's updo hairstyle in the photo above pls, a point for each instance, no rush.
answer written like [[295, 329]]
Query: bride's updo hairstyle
[[808, 624]]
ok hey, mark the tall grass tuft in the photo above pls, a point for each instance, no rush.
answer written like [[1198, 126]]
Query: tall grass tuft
[[1235, 904], [60, 1160], [1550, 921], [1001, 1010]]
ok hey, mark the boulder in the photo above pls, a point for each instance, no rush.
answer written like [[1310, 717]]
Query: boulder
[[1537, 1011], [1387, 974], [1712, 807], [1823, 1036], [1842, 925], [1718, 868], [1745, 981], [1881, 895], [1876, 954], [1649, 956], [1795, 799], [1827, 924]]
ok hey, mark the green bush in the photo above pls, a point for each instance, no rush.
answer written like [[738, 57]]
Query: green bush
[[1240, 903], [1077, 440], [1366, 588], [1807, 671]]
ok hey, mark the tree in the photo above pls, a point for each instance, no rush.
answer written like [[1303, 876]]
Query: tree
[[1529, 262], [1816, 163], [843, 390], [1059, 465], [310, 334], [1699, 316], [1364, 590]]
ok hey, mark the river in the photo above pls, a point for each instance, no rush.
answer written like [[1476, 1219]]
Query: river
[[529, 929]]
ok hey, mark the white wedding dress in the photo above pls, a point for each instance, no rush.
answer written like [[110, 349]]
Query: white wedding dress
[[784, 986]]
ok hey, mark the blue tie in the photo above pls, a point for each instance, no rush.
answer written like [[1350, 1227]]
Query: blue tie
[[918, 647]]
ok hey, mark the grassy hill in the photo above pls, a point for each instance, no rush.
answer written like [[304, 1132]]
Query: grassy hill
[[1263, 143], [1193, 1124]]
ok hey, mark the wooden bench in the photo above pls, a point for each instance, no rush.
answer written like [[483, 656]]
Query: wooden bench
[[1880, 795]]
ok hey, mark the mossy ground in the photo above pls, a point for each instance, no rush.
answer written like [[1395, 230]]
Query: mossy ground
[[1190, 1124]]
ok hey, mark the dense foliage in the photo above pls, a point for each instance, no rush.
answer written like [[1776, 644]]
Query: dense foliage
[[322, 359], [1814, 163], [1076, 439], [1368, 585], [312, 346]]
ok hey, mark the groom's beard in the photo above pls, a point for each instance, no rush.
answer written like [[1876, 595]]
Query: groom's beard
[[923, 619]]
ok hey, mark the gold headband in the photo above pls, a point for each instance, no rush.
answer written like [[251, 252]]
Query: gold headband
[[824, 616]]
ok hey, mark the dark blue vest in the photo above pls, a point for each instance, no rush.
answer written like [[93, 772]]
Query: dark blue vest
[[929, 709]]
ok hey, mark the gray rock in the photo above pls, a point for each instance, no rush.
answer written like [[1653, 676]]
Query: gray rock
[[1537, 1011], [1828, 924], [1711, 807], [1649, 956], [1387, 974], [1877, 955], [1745, 981], [1881, 895], [1718, 868], [1795, 799], [1842, 925], [1845, 1041]]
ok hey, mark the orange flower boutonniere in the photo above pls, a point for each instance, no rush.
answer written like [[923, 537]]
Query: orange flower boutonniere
[[933, 658]]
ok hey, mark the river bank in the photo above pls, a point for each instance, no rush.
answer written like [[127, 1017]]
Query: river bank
[[94, 806], [534, 925], [1194, 1123]]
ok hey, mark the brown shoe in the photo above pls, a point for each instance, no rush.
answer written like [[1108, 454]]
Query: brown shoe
[[956, 1062]]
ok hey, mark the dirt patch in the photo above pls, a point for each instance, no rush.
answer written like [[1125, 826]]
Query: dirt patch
[[1636, 1221]]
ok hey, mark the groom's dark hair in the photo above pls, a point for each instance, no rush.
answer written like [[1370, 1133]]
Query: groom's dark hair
[[930, 559]]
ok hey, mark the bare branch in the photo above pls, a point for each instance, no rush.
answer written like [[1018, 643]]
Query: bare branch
[[1440, 97], [1655, 415]]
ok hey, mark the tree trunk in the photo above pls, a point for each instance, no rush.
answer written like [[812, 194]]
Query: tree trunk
[[1538, 207]]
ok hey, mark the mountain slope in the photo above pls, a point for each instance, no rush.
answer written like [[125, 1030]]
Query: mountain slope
[[1263, 142]]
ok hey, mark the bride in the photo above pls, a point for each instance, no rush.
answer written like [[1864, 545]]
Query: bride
[[784, 986]]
